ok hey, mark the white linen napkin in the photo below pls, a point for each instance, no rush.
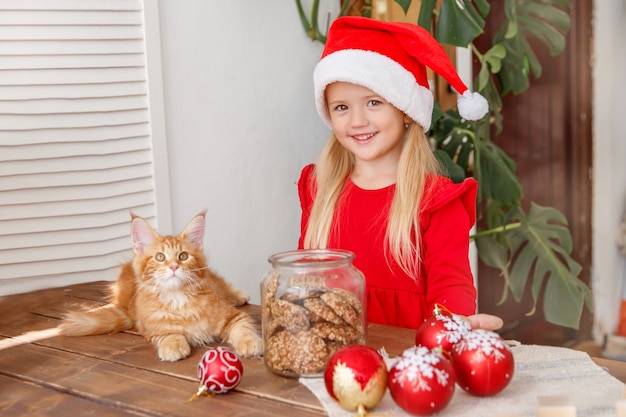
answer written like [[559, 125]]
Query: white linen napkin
[[539, 371]]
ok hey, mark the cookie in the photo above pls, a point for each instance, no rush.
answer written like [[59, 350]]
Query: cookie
[[293, 317]]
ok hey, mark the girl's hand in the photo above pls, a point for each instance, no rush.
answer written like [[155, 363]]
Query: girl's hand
[[485, 322]]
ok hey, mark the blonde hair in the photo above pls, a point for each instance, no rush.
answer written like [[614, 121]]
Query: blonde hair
[[402, 238]]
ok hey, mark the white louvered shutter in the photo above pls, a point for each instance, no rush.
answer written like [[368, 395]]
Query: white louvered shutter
[[76, 142]]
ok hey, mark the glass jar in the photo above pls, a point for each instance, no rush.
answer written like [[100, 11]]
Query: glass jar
[[312, 304]]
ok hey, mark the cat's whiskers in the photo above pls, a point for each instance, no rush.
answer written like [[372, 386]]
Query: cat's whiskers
[[200, 285], [142, 285], [204, 268]]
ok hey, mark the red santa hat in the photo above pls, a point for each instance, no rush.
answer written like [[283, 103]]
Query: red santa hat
[[390, 58]]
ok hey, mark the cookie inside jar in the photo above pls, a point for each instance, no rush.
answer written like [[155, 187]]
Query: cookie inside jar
[[307, 316]]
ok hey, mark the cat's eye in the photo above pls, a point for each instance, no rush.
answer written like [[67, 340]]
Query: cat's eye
[[160, 256], [183, 256]]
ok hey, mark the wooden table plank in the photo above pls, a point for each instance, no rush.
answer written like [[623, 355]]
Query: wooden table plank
[[114, 385], [21, 398], [395, 340]]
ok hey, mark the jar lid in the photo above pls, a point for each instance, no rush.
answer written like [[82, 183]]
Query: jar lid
[[305, 257]]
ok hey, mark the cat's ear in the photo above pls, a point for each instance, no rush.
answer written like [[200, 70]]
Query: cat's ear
[[194, 232], [142, 234]]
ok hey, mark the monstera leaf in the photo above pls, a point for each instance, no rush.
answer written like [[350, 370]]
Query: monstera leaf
[[454, 172], [477, 156], [496, 174], [529, 18], [459, 22], [453, 141], [538, 251], [511, 58]]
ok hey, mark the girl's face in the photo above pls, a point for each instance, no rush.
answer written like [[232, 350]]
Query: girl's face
[[367, 125]]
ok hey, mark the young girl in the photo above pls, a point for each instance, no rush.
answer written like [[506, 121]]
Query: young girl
[[377, 189]]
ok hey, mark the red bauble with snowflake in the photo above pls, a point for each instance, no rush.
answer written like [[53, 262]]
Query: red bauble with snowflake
[[442, 329], [421, 381], [356, 377], [220, 370], [483, 363]]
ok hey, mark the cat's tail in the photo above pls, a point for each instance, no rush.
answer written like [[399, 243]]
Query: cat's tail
[[102, 320], [107, 319], [29, 337]]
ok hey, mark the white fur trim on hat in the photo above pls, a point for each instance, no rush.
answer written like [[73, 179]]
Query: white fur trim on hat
[[381, 74]]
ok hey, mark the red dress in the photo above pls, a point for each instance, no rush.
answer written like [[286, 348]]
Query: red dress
[[393, 297]]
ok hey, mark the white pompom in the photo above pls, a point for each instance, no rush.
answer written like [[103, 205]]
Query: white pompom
[[472, 106]]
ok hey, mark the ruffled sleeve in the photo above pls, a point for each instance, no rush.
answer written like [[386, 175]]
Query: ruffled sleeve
[[306, 193]]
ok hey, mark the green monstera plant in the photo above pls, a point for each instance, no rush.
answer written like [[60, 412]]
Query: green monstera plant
[[530, 249]]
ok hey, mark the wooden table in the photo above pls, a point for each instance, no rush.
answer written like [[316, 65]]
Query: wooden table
[[120, 375]]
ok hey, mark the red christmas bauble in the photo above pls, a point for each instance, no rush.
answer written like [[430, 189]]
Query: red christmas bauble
[[421, 381], [356, 377], [443, 329], [220, 370], [483, 363]]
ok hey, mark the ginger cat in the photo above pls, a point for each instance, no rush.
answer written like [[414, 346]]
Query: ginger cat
[[170, 296]]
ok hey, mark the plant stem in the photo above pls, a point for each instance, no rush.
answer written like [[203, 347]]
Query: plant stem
[[476, 52], [303, 18], [467, 132], [495, 230]]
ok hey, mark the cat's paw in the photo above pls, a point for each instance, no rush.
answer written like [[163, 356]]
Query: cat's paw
[[173, 347], [248, 344]]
